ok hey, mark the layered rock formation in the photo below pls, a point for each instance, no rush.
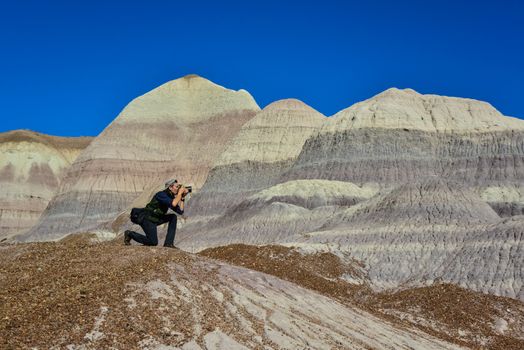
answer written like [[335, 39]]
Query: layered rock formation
[[401, 135], [491, 260], [176, 130], [437, 162], [409, 233], [31, 168], [263, 149], [422, 233], [415, 234], [274, 214]]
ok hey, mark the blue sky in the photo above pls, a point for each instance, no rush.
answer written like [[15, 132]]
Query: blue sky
[[68, 67]]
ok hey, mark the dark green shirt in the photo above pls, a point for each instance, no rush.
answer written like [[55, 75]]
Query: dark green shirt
[[160, 204]]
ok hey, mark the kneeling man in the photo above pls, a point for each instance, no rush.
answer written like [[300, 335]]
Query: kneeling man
[[172, 197]]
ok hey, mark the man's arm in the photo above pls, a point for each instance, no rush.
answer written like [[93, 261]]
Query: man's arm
[[178, 201], [180, 209], [178, 198]]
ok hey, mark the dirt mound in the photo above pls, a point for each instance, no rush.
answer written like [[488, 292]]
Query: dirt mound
[[52, 292]]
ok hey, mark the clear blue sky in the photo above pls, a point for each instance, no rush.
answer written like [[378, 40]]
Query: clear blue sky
[[69, 67]]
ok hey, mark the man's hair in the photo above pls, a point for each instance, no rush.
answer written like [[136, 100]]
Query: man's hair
[[170, 182]]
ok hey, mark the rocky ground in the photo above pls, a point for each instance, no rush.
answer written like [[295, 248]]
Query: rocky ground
[[452, 313], [81, 294], [51, 293]]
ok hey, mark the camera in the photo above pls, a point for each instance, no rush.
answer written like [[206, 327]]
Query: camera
[[188, 187]]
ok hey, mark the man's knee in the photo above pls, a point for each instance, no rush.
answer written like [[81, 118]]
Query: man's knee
[[152, 242]]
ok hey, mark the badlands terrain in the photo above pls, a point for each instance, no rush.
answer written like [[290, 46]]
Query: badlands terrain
[[396, 223], [31, 168]]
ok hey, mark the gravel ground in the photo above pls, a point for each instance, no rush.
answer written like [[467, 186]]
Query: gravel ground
[[53, 293], [76, 291]]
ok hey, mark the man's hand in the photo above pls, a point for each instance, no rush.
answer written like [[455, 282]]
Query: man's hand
[[182, 191], [178, 195]]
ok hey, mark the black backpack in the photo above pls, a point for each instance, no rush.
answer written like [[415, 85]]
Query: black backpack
[[138, 215]]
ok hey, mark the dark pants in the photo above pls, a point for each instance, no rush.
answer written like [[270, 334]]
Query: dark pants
[[151, 237]]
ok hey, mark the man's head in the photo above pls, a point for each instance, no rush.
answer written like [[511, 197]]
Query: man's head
[[172, 185]]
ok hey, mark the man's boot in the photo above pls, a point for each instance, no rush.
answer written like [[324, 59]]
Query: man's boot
[[127, 237]]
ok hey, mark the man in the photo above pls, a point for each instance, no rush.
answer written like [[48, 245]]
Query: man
[[172, 197]]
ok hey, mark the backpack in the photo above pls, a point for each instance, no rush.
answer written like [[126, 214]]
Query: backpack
[[138, 215]]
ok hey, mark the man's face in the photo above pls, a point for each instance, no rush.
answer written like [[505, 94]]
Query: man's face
[[174, 188]]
